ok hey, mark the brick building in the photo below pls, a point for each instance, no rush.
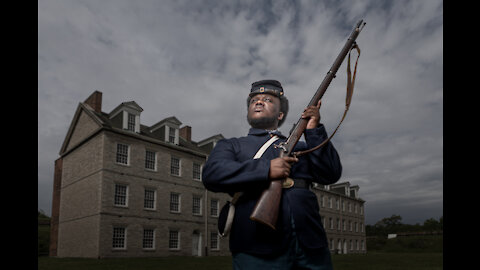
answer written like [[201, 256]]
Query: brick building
[[123, 189], [343, 217]]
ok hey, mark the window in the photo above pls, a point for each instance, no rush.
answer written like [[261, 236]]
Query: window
[[171, 135], [349, 207], [337, 204], [350, 225], [322, 203], [175, 202], [196, 171], [330, 202], [122, 153], [356, 227], [344, 225], [149, 200], [174, 240], [120, 197], [148, 239], [150, 160], [356, 208], [332, 244], [343, 206], [338, 224], [131, 122], [197, 205], [119, 238], [214, 208], [331, 223], [214, 241], [175, 166]]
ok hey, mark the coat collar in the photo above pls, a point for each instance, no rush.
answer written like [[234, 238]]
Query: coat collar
[[263, 132]]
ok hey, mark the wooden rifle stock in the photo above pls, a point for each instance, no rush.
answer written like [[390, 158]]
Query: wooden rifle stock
[[267, 207]]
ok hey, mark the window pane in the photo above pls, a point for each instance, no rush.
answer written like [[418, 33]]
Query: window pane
[[120, 197], [122, 153], [196, 171], [150, 160], [175, 166], [197, 205], [118, 237], [131, 122], [148, 238], [174, 202], [149, 202], [173, 240]]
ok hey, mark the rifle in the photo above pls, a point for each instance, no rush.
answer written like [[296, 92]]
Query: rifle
[[267, 207]]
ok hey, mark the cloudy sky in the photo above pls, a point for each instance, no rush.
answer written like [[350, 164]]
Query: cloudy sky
[[196, 60]]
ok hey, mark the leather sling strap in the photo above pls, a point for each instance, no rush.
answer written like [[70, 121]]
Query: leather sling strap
[[237, 195], [348, 100]]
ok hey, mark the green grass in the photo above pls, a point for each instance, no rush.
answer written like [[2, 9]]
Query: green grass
[[378, 260], [370, 261]]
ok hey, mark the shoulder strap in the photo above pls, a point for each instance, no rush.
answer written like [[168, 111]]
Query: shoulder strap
[[237, 195], [265, 147], [259, 153], [348, 99]]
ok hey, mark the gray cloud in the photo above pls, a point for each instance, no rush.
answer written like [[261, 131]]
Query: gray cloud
[[197, 59]]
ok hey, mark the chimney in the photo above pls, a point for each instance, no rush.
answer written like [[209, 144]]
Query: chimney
[[186, 133], [95, 101]]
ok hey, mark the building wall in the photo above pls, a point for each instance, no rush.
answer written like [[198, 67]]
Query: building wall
[[344, 235], [80, 201], [134, 217]]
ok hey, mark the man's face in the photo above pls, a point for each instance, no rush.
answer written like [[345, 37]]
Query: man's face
[[264, 111]]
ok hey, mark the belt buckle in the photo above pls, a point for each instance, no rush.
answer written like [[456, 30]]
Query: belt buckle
[[288, 183]]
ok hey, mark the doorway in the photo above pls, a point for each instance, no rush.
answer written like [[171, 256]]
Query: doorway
[[196, 243]]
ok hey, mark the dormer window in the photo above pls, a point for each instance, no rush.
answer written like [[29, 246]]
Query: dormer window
[[171, 135], [131, 122], [126, 116]]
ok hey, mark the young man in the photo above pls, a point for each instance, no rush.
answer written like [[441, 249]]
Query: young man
[[299, 240]]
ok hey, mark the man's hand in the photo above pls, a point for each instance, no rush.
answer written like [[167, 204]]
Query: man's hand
[[280, 167], [312, 113]]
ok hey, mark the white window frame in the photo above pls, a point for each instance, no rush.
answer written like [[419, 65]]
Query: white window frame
[[216, 208], [177, 240], [214, 238], [124, 239], [117, 154], [144, 239], [154, 198], [147, 161], [179, 210], [179, 166], [200, 199], [194, 171], [115, 195]]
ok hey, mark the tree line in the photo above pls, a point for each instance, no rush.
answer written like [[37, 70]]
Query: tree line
[[394, 225]]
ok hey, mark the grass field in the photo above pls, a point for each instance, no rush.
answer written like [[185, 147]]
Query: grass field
[[370, 261]]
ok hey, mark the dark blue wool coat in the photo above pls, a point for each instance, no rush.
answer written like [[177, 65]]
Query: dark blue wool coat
[[231, 168]]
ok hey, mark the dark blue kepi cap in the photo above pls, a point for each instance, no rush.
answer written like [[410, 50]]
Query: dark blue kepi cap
[[272, 87]]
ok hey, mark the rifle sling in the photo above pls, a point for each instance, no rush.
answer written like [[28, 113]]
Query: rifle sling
[[348, 99]]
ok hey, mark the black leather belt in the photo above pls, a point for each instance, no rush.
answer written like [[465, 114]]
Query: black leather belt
[[302, 183]]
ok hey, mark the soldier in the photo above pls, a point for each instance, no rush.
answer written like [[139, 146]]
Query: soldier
[[299, 240]]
